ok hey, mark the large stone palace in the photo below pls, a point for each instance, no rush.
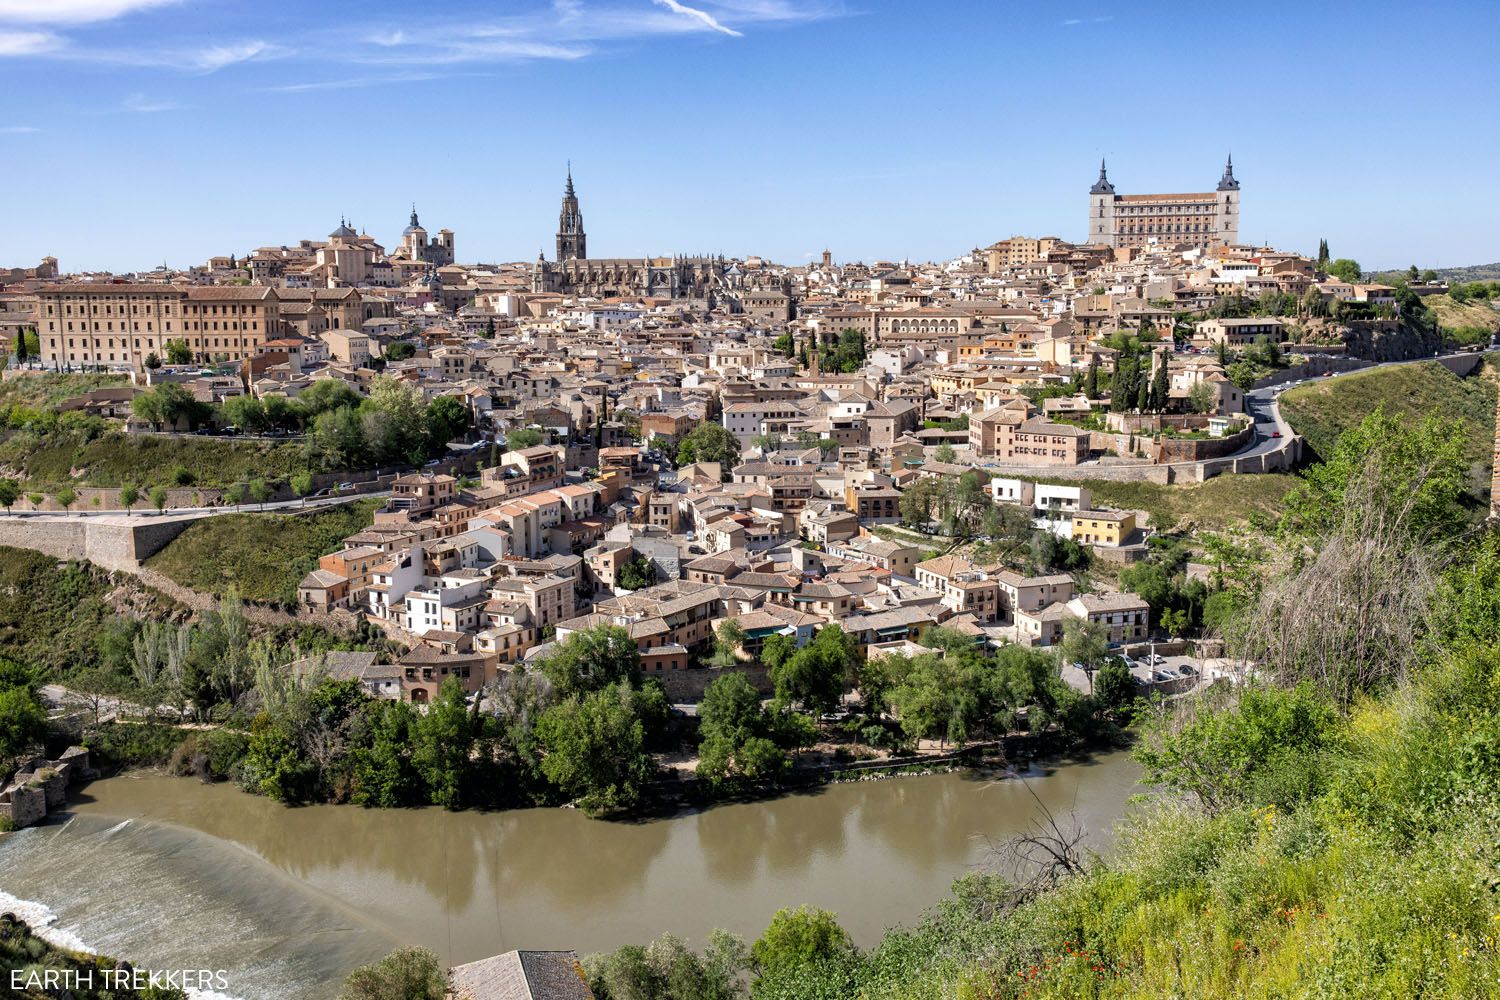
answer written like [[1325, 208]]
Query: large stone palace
[[1167, 220]]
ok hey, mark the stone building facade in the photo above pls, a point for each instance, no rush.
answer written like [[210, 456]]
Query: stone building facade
[[1137, 220]]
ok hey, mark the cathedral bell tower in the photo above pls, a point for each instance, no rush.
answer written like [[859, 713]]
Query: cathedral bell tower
[[572, 243]]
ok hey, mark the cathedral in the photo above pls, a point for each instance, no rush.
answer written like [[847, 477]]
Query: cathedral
[[575, 273]]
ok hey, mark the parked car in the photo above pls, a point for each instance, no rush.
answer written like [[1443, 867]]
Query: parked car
[[1276, 434]]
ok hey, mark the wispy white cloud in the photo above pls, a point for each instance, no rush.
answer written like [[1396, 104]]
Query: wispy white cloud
[[353, 82], [18, 129], [73, 11], [1070, 22], [141, 104], [28, 43], [703, 16], [217, 57]]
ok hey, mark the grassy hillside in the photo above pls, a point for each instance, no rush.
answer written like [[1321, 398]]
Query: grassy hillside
[[52, 614], [264, 555], [1213, 505], [114, 459], [50, 388], [1321, 411], [1474, 314]]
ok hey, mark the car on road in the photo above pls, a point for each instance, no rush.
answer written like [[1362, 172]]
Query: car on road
[[1276, 434]]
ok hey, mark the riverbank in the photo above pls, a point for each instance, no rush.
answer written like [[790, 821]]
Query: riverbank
[[162, 869]]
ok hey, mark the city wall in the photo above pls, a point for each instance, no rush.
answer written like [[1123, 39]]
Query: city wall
[[108, 544]]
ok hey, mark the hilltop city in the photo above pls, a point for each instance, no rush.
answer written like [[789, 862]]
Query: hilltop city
[[669, 443]]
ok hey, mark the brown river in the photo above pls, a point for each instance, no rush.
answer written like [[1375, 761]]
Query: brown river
[[171, 873]]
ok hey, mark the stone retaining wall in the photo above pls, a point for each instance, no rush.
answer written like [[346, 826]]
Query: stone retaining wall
[[41, 786]]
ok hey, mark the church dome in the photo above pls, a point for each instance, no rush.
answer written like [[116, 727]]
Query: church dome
[[414, 226], [343, 231]]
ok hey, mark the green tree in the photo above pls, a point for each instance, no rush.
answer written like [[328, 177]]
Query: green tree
[[636, 574], [591, 659], [728, 638], [738, 734], [801, 937], [1091, 380], [595, 749], [158, 498], [384, 772], [406, 974], [260, 491], [130, 495], [23, 724], [1160, 387], [447, 420], [234, 495], [783, 345], [178, 353], [522, 437], [1201, 397], [709, 442], [944, 454], [302, 484], [1085, 643], [65, 497], [813, 676], [1344, 269], [10, 492], [153, 360], [1114, 688], [443, 746]]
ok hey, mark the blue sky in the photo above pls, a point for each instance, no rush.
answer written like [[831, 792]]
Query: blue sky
[[136, 131]]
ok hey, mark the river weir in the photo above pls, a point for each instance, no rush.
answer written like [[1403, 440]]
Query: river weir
[[169, 872]]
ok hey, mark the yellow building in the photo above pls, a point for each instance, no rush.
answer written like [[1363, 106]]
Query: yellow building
[[1111, 528]]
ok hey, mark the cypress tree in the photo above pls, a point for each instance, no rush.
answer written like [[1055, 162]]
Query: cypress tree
[[1159, 386], [1091, 380]]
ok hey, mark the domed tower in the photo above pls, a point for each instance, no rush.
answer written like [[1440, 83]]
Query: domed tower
[[1101, 210], [1227, 206], [572, 244], [414, 237]]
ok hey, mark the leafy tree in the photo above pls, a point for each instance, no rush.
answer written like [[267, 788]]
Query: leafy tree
[[776, 649], [260, 491], [523, 437], [813, 676], [783, 345], [728, 638], [1223, 755], [443, 746], [23, 724], [1201, 398], [158, 498], [710, 442], [130, 495], [1114, 688], [1414, 476], [595, 748], [801, 937], [1085, 643], [302, 484], [738, 734], [945, 454], [447, 420], [65, 497], [153, 361], [1344, 269], [591, 659], [10, 492], [178, 353], [636, 574], [667, 969], [399, 351], [384, 772], [406, 974], [234, 495]]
